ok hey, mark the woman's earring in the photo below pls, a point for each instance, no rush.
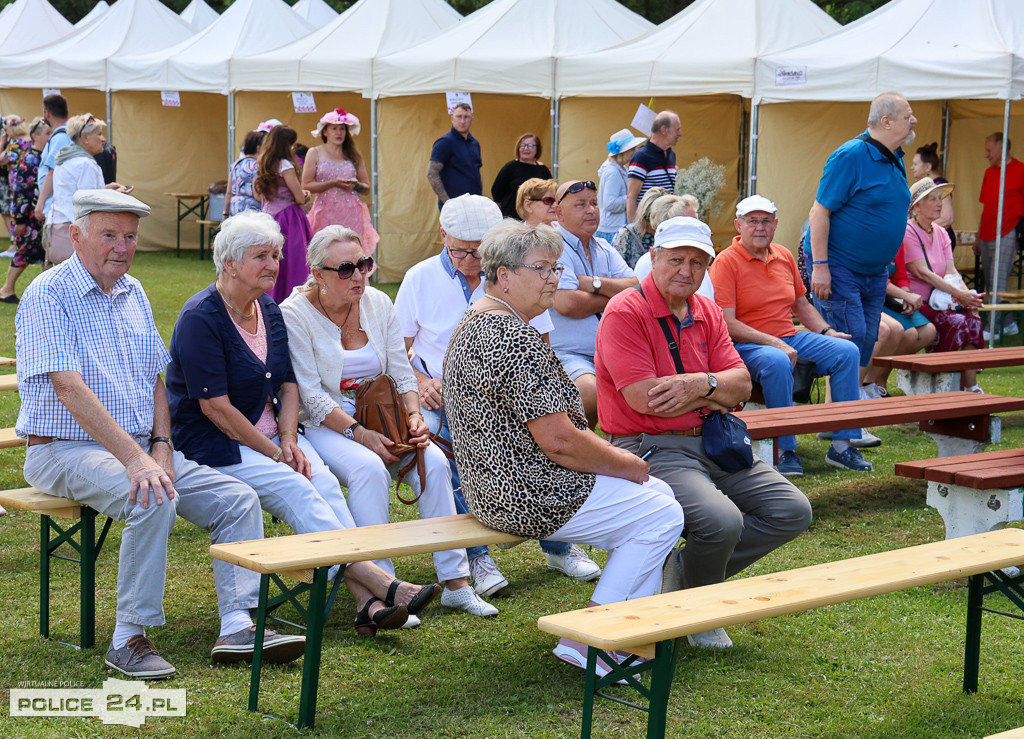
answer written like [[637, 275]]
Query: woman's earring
[[234, 274], [323, 290], [506, 288]]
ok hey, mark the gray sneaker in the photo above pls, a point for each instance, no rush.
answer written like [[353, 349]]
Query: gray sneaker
[[139, 658], [672, 572], [277, 648]]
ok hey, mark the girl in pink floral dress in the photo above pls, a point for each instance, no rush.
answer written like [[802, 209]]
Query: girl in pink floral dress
[[336, 174]]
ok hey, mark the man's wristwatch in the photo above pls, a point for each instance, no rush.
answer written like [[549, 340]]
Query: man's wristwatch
[[713, 382], [826, 330], [349, 433], [154, 439], [596, 284]]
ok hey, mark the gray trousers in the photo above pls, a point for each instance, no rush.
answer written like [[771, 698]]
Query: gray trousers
[[996, 276], [732, 520], [87, 473]]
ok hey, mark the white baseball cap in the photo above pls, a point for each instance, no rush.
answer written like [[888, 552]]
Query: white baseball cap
[[469, 217], [684, 231], [753, 204]]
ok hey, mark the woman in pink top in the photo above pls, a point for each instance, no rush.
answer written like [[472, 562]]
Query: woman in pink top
[[929, 258], [336, 174]]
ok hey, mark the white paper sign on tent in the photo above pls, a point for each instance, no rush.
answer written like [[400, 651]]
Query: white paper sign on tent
[[51, 91], [454, 98], [170, 98], [790, 76], [303, 102], [643, 120]]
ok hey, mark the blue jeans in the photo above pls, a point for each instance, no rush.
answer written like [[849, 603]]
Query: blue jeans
[[437, 422], [834, 357], [855, 306]]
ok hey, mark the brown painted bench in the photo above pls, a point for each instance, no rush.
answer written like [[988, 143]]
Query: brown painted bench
[[940, 372], [650, 627], [975, 492], [959, 422]]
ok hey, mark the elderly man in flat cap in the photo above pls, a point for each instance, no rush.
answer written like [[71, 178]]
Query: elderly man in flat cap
[[94, 413]]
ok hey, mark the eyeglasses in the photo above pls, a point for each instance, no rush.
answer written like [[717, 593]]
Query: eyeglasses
[[527, 145], [346, 269], [547, 200], [543, 270], [578, 187], [463, 253], [755, 222]]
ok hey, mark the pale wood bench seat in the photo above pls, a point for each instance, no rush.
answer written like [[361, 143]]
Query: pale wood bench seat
[[1011, 734], [648, 626], [79, 534], [307, 558], [940, 372], [9, 439], [9, 381], [974, 492]]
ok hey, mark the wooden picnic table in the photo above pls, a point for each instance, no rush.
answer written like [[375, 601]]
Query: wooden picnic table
[[941, 372]]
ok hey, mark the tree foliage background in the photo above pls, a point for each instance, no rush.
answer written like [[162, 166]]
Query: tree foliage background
[[655, 11]]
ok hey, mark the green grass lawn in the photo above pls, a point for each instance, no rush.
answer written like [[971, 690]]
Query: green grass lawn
[[888, 666]]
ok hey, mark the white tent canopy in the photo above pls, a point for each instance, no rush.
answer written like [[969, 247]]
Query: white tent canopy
[[507, 47], [709, 48], [80, 59], [97, 10], [340, 55], [199, 14], [926, 49], [201, 63], [316, 12], [27, 24]]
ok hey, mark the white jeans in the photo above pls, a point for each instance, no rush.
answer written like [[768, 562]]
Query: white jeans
[[369, 483], [637, 524]]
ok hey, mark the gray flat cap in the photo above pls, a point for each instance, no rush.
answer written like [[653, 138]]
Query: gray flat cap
[[91, 201]]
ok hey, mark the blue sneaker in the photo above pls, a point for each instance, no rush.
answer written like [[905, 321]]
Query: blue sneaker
[[851, 459], [789, 464]]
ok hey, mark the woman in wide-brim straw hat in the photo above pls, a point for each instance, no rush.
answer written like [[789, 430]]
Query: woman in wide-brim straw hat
[[336, 175]]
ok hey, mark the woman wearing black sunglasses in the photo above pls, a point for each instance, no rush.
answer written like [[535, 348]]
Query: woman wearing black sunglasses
[[340, 331], [535, 202]]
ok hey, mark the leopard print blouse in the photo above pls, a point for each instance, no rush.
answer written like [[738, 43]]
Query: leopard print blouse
[[500, 374]]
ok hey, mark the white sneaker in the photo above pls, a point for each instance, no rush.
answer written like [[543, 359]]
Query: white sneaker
[[1011, 329], [872, 390], [487, 579], [866, 440], [466, 599], [989, 337], [974, 389], [10, 253], [575, 564], [713, 639]]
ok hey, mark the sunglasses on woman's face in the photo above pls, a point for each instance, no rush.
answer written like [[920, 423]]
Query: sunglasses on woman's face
[[345, 270], [547, 200]]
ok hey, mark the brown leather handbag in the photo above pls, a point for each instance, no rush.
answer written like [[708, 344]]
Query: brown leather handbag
[[379, 408]]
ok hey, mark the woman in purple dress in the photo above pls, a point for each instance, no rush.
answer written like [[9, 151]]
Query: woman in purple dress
[[277, 187]]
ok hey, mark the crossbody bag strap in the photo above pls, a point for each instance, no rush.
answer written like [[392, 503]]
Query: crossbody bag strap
[[924, 251], [673, 345], [885, 150]]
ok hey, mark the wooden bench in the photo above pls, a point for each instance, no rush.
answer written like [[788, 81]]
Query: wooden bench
[[649, 627], [9, 382], [307, 558], [975, 492], [959, 422], [1012, 734], [940, 372], [79, 536]]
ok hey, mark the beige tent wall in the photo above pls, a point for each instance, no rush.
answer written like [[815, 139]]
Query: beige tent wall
[[795, 140], [711, 128], [28, 102], [163, 149], [408, 128], [252, 107], [971, 121]]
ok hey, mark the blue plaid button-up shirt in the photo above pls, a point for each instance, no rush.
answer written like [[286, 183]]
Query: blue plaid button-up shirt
[[65, 322]]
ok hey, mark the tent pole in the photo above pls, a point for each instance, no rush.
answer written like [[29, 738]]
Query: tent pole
[[993, 298], [374, 120], [752, 156], [945, 132], [110, 124], [231, 128], [555, 111]]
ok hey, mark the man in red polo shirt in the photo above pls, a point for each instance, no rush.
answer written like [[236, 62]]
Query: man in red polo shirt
[[732, 519]]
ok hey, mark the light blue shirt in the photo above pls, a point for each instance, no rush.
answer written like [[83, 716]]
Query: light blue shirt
[[577, 335], [47, 162], [65, 322], [611, 196]]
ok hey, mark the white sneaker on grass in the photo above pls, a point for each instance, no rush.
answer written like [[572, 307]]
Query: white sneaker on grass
[[574, 564], [487, 579], [466, 599], [867, 440], [712, 639]]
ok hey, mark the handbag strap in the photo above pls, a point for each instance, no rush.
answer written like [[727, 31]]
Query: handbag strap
[[924, 249], [673, 345], [885, 150]]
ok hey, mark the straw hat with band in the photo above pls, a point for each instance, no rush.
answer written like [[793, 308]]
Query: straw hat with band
[[925, 187]]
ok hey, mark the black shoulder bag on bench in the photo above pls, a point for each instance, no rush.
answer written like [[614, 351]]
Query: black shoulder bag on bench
[[726, 440]]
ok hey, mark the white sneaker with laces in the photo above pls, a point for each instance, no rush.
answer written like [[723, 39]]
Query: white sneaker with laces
[[466, 599], [1011, 329], [574, 564], [713, 639], [487, 579]]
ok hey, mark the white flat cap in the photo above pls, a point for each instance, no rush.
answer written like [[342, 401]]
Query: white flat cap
[[111, 201], [753, 204], [469, 217]]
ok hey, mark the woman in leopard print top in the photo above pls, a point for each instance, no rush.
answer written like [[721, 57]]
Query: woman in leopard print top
[[529, 464]]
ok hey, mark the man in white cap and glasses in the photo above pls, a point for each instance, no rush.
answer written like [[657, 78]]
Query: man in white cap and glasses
[[646, 404], [431, 301], [612, 185], [94, 413], [759, 289]]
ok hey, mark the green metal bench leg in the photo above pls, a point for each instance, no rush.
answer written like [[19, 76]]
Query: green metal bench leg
[[590, 685], [257, 654], [87, 563], [44, 576], [661, 686], [315, 618], [972, 645]]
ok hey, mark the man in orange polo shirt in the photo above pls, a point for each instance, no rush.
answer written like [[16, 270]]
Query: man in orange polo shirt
[[759, 290], [645, 404]]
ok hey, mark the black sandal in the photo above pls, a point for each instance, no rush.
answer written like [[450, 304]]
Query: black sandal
[[392, 617], [419, 601]]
